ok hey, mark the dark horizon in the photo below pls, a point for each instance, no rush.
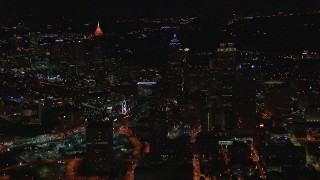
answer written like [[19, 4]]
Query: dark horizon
[[144, 8]]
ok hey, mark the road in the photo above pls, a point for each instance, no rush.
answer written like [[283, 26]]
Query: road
[[196, 157], [125, 130], [224, 152], [255, 158], [196, 131]]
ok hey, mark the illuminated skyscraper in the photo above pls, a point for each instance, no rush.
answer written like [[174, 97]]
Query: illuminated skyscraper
[[173, 54], [226, 58], [177, 66], [98, 48], [225, 66], [98, 31]]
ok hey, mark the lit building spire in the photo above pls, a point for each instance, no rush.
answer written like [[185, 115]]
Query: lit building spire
[[174, 40], [98, 31]]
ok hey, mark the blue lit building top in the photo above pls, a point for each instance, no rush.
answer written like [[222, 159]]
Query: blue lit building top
[[174, 40]]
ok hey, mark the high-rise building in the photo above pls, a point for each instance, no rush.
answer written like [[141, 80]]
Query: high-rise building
[[98, 31], [176, 54], [177, 66], [207, 123], [99, 145], [41, 110], [98, 50], [225, 61], [278, 101], [32, 42], [226, 90], [224, 67], [244, 104]]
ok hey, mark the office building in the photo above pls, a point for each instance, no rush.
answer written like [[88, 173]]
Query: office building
[[99, 145]]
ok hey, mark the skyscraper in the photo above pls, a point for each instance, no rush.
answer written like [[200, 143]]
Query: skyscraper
[[224, 67], [226, 56], [98, 54], [99, 134], [244, 104], [98, 31], [177, 66]]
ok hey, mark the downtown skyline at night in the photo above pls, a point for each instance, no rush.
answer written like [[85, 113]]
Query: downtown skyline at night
[[160, 90]]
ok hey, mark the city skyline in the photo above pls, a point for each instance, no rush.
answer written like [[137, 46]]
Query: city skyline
[[160, 90]]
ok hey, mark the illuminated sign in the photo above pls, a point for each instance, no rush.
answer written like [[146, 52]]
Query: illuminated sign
[[147, 83], [226, 143], [124, 109], [244, 139]]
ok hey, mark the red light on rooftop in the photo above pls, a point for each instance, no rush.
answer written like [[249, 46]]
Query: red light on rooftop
[[147, 148], [261, 125], [98, 31]]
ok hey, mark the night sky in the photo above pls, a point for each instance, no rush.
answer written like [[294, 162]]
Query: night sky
[[138, 8]]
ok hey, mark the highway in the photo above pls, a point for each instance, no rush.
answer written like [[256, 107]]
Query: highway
[[125, 130], [255, 158]]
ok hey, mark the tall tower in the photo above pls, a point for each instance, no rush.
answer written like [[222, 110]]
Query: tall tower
[[98, 31], [99, 51], [244, 104], [177, 66], [224, 67], [226, 57], [99, 144], [41, 111]]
